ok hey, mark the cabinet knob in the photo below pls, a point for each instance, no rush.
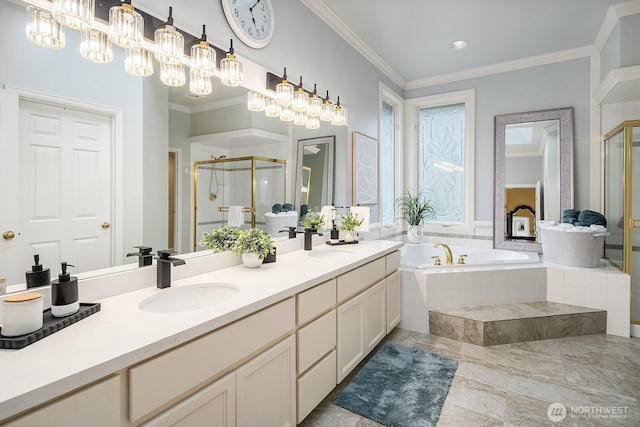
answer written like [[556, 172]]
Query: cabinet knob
[[8, 235]]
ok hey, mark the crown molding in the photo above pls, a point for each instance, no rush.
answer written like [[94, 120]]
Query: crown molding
[[331, 19], [615, 77], [614, 13], [518, 64]]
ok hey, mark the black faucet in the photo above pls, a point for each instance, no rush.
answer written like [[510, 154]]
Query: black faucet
[[293, 232], [144, 256], [165, 261], [308, 232]]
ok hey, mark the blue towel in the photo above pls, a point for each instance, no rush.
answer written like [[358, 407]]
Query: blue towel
[[570, 216], [277, 208], [587, 218], [287, 207]]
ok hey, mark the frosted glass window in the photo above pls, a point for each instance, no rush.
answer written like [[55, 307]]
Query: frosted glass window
[[387, 160], [442, 160]]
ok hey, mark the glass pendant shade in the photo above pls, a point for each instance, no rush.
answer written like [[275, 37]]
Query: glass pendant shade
[[95, 47], [43, 30], [299, 99], [169, 43], [339, 117], [299, 118], [126, 26], [313, 122], [203, 59], [326, 115], [286, 113], [271, 108], [76, 14], [199, 85], [314, 106], [138, 62], [284, 93], [231, 71], [172, 74], [255, 101]]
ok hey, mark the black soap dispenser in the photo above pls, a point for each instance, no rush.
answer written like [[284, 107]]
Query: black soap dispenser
[[64, 294], [38, 276]]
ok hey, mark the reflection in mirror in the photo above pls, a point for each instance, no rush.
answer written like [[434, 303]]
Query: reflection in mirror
[[314, 175], [533, 174]]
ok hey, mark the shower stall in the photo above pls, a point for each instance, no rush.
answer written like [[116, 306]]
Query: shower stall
[[251, 185], [622, 204]]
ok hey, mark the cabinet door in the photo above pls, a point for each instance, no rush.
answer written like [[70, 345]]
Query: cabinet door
[[214, 405], [375, 322], [351, 339], [394, 300], [265, 385]]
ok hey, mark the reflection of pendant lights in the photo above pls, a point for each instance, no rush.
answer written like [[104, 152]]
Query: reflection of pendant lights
[[199, 85], [326, 114], [314, 105], [126, 26], [313, 122], [43, 30], [299, 118], [172, 74], [284, 91], [231, 69], [95, 47], [339, 117], [76, 14], [138, 62], [300, 99], [255, 101], [286, 113], [169, 43], [271, 108], [203, 57]]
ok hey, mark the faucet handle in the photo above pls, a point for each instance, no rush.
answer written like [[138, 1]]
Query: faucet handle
[[436, 260], [461, 259]]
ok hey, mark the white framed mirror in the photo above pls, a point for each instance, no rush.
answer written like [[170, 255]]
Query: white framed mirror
[[533, 175]]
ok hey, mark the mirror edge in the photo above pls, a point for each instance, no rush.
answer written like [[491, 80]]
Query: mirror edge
[[566, 125], [331, 140]]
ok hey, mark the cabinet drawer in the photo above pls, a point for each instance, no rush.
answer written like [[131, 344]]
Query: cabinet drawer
[[392, 262], [315, 385], [315, 340], [316, 301], [360, 278], [96, 405], [164, 378]]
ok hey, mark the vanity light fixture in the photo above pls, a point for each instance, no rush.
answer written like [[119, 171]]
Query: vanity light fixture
[[339, 117], [203, 57], [284, 91], [199, 85], [299, 118], [314, 105], [43, 30], [231, 69], [96, 47], [169, 43], [256, 101], [326, 114], [313, 122], [126, 26], [138, 62], [300, 99], [271, 108], [286, 113], [76, 14], [172, 74]]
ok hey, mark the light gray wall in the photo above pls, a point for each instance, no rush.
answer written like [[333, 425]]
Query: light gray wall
[[629, 37], [179, 130], [610, 54], [563, 84], [523, 170]]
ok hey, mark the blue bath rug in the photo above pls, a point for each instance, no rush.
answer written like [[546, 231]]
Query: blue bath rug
[[400, 387]]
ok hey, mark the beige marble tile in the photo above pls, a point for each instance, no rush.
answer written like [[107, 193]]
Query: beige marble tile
[[477, 397], [456, 416]]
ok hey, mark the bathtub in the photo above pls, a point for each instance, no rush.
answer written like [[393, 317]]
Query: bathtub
[[418, 256]]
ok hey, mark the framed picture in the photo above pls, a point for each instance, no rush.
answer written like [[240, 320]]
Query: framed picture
[[365, 169], [520, 226]]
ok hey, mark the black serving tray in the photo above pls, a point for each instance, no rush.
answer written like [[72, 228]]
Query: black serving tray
[[341, 242], [50, 325]]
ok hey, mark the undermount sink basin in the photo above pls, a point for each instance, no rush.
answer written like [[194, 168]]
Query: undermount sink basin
[[330, 253], [187, 298]]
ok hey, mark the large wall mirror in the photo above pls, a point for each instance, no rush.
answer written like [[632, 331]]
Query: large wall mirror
[[533, 175], [314, 173]]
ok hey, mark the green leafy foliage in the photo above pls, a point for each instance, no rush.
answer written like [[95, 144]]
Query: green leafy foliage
[[220, 239], [415, 208], [254, 240], [350, 221], [313, 220]]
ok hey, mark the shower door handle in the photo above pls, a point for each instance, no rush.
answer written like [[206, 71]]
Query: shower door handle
[[634, 223]]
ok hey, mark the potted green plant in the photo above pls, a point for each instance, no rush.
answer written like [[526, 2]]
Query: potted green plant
[[221, 239], [349, 223], [415, 209], [313, 220], [254, 245]]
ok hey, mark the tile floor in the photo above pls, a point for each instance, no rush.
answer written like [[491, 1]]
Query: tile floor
[[514, 384]]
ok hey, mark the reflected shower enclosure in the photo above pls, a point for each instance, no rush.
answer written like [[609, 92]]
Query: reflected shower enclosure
[[253, 183]]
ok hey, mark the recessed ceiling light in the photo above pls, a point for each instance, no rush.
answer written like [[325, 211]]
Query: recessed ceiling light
[[458, 44]]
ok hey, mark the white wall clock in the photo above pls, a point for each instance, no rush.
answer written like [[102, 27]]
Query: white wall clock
[[251, 20]]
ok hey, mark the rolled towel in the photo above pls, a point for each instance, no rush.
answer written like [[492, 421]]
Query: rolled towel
[[276, 208], [587, 217], [570, 216], [236, 216], [364, 213], [286, 207]]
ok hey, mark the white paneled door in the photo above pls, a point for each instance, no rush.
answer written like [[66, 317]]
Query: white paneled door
[[64, 200]]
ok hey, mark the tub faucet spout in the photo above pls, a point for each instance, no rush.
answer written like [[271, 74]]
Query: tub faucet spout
[[447, 252]]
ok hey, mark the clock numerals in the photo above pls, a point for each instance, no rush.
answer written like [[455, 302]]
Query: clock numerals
[[251, 20]]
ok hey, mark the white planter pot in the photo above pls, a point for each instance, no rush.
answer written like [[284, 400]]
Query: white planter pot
[[414, 234], [348, 236], [251, 260]]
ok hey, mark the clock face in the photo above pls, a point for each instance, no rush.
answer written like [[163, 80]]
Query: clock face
[[251, 20]]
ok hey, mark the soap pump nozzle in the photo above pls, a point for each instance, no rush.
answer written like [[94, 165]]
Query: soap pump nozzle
[[64, 276], [36, 266]]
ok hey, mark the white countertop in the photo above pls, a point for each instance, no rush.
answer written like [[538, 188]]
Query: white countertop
[[121, 334]]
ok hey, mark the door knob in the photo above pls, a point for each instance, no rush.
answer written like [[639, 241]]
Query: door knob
[[105, 225], [8, 235]]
